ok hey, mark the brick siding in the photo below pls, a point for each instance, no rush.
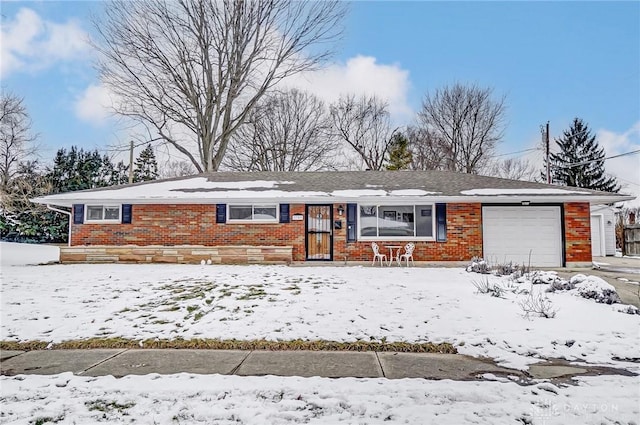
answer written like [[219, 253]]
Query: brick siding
[[464, 239], [577, 232], [171, 225], [190, 224]]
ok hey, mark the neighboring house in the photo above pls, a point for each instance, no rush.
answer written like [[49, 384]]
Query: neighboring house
[[603, 230], [307, 216]]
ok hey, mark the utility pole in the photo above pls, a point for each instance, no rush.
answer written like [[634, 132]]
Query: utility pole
[[545, 140], [546, 133], [131, 163]]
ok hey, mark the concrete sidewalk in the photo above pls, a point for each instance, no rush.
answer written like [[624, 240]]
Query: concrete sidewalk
[[331, 364]]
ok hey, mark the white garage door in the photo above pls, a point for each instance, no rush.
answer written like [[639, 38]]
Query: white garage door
[[596, 236], [514, 233]]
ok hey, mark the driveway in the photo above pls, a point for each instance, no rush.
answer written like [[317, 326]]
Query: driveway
[[621, 272]]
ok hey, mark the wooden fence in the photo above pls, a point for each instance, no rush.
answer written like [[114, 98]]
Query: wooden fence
[[631, 239]]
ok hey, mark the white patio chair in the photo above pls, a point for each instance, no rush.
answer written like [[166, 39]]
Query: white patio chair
[[408, 254], [376, 254]]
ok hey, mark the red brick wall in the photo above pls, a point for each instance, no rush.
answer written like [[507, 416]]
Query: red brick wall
[[190, 225], [577, 232], [464, 239], [196, 225]]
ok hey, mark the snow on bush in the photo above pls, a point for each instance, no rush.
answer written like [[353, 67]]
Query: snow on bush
[[545, 278], [478, 265], [626, 308], [590, 287], [596, 288]]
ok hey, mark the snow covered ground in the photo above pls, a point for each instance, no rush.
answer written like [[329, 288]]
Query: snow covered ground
[[184, 398], [66, 302]]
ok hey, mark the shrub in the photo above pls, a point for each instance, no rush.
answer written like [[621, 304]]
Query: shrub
[[478, 265], [595, 288], [539, 305], [483, 286]]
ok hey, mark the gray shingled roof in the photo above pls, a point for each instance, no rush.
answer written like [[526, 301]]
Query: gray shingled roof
[[336, 185], [447, 183]]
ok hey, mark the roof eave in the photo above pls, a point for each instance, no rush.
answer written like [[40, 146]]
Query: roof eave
[[510, 199]]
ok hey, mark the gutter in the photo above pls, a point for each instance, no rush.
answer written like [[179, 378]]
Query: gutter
[[370, 199], [49, 207]]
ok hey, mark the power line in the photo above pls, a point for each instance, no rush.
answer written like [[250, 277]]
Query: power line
[[516, 152], [627, 181], [577, 164]]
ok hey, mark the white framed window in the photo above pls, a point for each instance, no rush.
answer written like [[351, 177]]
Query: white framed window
[[102, 213], [255, 213], [396, 222]]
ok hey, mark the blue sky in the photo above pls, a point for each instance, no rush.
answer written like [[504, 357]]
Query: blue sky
[[553, 61]]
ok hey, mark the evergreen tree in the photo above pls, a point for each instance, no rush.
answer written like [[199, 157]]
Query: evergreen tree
[[23, 221], [146, 166], [120, 174], [578, 146], [78, 170], [399, 154]]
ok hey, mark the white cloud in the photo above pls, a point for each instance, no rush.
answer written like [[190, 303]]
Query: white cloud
[[625, 168], [361, 75], [94, 104], [30, 43]]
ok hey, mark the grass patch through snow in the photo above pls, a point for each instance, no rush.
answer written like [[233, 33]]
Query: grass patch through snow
[[234, 344]]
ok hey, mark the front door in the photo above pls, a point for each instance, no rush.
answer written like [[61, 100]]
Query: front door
[[319, 232]]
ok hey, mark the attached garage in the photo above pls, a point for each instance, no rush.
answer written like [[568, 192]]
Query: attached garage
[[523, 234]]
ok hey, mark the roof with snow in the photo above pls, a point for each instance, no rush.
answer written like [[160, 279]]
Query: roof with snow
[[332, 186]]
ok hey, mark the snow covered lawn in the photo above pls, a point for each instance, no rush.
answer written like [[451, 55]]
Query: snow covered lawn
[[67, 302], [183, 398]]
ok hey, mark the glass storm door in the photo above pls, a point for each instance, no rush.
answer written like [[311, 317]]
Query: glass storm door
[[319, 232]]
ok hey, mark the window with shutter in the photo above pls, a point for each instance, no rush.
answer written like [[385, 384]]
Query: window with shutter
[[441, 219], [352, 223]]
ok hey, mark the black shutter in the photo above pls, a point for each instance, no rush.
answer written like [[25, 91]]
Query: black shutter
[[284, 213], [126, 213], [352, 222], [221, 213], [441, 222], [78, 213]]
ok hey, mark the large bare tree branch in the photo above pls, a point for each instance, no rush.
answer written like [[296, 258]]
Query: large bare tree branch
[[288, 131], [194, 69], [16, 137], [466, 124], [364, 124]]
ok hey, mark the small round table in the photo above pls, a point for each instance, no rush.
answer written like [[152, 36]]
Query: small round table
[[391, 255]]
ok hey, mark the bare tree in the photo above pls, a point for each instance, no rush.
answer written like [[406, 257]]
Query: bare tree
[[16, 137], [286, 131], [364, 124], [174, 168], [514, 169], [467, 123], [193, 69], [425, 149]]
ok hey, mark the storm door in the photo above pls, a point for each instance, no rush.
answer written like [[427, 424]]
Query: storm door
[[319, 232]]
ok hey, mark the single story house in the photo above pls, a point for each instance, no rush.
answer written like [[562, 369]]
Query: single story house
[[603, 230], [228, 217]]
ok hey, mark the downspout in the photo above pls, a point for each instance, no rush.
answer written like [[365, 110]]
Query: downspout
[[70, 216]]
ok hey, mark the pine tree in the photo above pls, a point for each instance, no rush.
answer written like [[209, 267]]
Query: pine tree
[[578, 146], [120, 174], [78, 169], [146, 166], [399, 153]]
